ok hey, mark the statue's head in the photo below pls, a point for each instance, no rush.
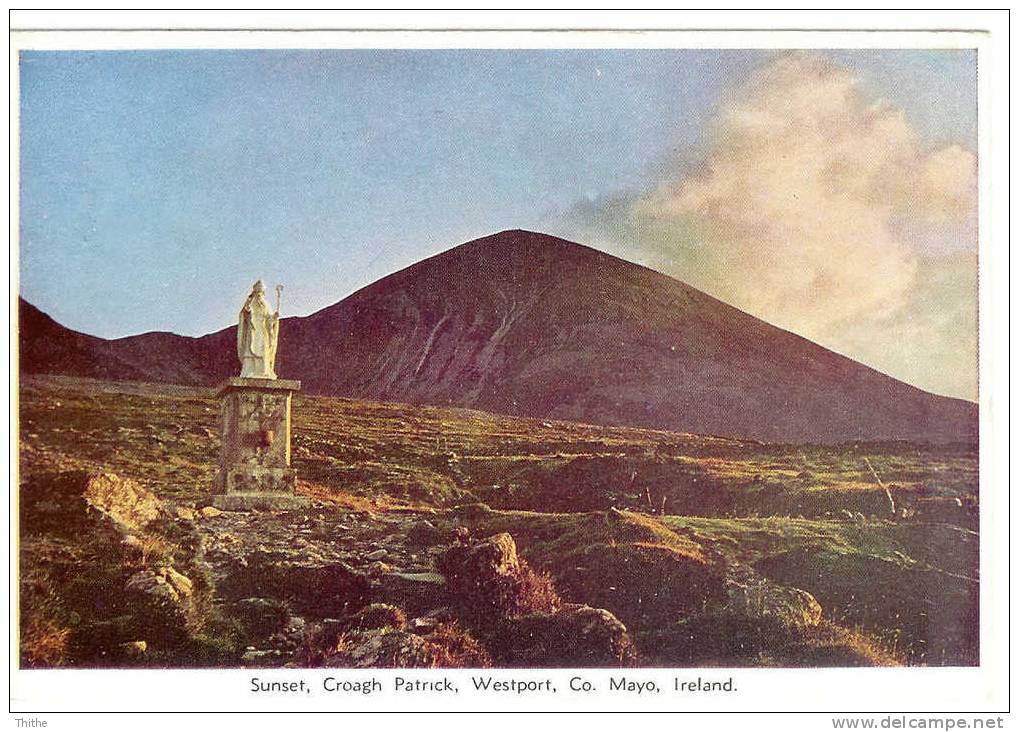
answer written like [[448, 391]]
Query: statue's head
[[258, 287]]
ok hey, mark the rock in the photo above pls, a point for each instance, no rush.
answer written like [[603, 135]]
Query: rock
[[473, 511], [260, 616], [376, 616], [751, 596], [937, 605], [328, 628], [375, 555], [210, 512], [422, 578], [575, 636], [433, 619], [417, 592], [122, 499], [487, 580], [496, 555], [423, 625], [165, 584], [133, 649], [65, 501], [133, 544], [447, 647], [179, 582], [425, 533], [755, 614], [163, 603]]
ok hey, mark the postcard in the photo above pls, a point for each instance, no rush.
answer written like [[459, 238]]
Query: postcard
[[517, 371]]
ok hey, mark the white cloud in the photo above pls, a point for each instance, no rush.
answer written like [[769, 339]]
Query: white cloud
[[816, 208]]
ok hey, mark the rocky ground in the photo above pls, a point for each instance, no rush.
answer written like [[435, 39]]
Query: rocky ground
[[456, 538]]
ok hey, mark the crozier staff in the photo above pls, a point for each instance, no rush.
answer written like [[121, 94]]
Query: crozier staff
[[258, 334]]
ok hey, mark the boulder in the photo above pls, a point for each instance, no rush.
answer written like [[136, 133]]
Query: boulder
[[751, 596], [133, 649], [66, 502], [487, 580], [496, 555], [165, 585], [260, 616], [425, 533], [163, 604], [754, 614], [123, 499], [576, 636]]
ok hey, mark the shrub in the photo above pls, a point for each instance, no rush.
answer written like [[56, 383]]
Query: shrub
[[43, 643], [488, 581]]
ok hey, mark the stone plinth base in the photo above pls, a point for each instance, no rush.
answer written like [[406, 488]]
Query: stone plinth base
[[255, 479], [254, 461], [259, 502]]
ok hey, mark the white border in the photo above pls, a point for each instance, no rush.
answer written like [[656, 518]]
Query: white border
[[828, 690]]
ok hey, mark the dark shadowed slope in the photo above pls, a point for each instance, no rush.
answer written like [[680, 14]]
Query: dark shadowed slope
[[529, 324], [45, 346]]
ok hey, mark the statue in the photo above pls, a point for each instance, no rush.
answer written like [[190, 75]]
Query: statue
[[254, 419], [258, 334]]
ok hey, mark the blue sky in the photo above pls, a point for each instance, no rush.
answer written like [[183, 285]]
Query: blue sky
[[156, 186]]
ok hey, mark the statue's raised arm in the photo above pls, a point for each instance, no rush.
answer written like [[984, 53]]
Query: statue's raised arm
[[258, 335]]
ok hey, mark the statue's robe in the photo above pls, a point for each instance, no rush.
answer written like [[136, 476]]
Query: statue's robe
[[257, 337]]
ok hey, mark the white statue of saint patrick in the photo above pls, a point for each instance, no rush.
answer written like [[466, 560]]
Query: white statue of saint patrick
[[257, 334]]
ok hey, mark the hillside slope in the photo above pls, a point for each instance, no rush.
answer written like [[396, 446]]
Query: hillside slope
[[528, 324]]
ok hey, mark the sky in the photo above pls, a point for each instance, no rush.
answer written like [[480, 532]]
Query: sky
[[829, 192]]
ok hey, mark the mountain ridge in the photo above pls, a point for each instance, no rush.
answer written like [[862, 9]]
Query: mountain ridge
[[525, 323]]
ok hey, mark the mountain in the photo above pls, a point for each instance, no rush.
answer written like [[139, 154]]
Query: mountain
[[528, 324]]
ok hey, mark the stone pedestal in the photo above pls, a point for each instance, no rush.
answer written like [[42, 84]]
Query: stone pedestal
[[254, 462]]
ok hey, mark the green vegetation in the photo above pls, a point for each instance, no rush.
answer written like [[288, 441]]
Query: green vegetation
[[649, 525]]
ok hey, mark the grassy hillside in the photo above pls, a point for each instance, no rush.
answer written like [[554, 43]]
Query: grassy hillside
[[656, 527]]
